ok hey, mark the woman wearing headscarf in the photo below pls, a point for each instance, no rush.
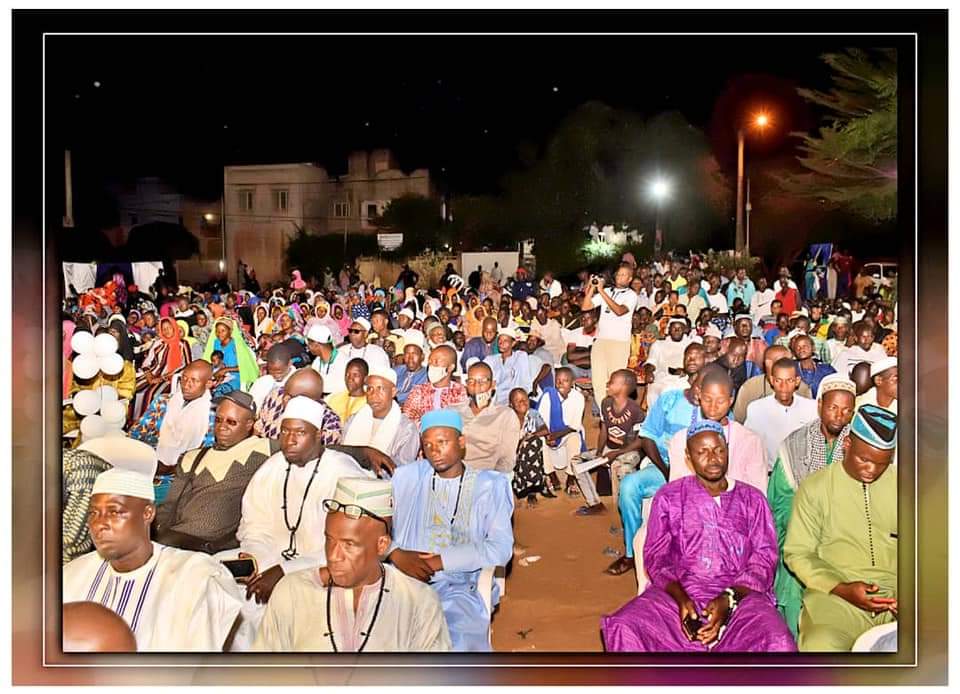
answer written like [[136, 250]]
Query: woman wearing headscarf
[[240, 368], [322, 312], [167, 355], [196, 349], [68, 329], [342, 317], [201, 331], [262, 322]]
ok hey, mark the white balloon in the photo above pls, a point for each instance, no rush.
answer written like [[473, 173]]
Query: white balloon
[[104, 344], [114, 413], [92, 427], [82, 342], [112, 364], [86, 365], [117, 433], [108, 394], [86, 402]]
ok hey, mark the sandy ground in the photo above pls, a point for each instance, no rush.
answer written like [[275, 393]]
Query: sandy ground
[[555, 603]]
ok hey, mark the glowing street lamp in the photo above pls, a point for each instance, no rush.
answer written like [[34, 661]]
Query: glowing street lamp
[[659, 191], [761, 121]]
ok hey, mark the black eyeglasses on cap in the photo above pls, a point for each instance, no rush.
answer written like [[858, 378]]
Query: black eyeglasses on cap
[[351, 511], [355, 331]]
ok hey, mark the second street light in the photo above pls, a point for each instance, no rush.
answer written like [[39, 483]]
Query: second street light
[[659, 191]]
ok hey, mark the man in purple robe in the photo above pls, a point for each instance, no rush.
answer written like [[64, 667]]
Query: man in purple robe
[[711, 554]]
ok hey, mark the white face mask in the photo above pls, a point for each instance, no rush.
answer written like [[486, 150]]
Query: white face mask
[[435, 374], [483, 399]]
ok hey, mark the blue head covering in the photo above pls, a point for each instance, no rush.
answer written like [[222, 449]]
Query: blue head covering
[[360, 311], [701, 425], [875, 426], [441, 418]]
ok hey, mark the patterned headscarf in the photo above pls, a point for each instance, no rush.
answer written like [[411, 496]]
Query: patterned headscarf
[[875, 426]]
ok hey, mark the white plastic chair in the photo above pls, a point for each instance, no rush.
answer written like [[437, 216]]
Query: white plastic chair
[[868, 640], [488, 577]]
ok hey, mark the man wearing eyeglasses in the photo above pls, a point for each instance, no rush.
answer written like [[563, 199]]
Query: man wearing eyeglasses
[[358, 348], [452, 520], [492, 430], [355, 603]]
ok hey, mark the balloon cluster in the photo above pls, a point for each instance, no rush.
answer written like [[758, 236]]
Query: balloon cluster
[[103, 412]]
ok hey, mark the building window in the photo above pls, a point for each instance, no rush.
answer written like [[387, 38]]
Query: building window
[[341, 209], [133, 219], [280, 200], [246, 200], [371, 211]]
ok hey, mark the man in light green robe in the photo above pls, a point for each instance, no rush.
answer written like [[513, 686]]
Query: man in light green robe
[[841, 540], [807, 450]]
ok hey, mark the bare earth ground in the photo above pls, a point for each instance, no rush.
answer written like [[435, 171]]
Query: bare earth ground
[[555, 603]]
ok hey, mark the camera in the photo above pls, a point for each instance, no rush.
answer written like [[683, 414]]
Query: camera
[[594, 280]]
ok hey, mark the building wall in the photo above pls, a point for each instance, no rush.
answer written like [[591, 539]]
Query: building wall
[[259, 236]]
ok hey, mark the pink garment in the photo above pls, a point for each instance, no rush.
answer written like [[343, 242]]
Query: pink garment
[[747, 455], [298, 282], [68, 329]]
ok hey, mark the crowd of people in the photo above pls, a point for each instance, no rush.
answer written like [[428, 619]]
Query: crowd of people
[[334, 466]]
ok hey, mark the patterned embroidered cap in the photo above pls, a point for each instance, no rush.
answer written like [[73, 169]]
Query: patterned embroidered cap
[[372, 495], [875, 426], [700, 426], [836, 382]]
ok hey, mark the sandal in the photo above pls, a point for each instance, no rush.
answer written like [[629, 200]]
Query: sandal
[[620, 567]]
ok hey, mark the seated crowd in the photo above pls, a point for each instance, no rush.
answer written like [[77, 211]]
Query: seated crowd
[[317, 469]]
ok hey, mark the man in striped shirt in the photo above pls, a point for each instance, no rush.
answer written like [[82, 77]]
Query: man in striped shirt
[[173, 600]]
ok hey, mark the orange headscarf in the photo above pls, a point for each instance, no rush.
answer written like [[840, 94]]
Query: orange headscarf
[[174, 355]]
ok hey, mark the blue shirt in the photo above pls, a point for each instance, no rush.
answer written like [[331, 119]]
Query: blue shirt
[[407, 380], [812, 378], [476, 348], [736, 290], [510, 374], [669, 414]]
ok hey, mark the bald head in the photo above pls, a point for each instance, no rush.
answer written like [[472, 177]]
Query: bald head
[[89, 627], [195, 379], [305, 382]]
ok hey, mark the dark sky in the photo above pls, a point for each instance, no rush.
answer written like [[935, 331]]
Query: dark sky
[[182, 107]]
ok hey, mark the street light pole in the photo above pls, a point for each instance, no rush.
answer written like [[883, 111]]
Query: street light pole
[[739, 238], [749, 207]]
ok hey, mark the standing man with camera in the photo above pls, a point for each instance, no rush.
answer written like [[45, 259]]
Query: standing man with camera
[[611, 350]]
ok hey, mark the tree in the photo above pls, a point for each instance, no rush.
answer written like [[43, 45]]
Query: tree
[[852, 161], [419, 219]]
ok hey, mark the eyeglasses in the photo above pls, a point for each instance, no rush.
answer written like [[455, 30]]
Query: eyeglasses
[[355, 331], [478, 381], [351, 511]]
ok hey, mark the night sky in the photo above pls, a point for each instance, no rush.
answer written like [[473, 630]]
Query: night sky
[[462, 106]]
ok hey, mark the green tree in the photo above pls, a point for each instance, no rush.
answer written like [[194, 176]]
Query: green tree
[[852, 161], [420, 221]]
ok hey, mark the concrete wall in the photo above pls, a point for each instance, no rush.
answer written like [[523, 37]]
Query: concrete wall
[[429, 267], [508, 260]]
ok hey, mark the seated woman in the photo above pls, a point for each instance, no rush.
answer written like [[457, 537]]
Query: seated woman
[[166, 355], [528, 475], [240, 368]]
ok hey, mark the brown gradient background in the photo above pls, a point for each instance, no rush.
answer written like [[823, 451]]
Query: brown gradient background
[[34, 407]]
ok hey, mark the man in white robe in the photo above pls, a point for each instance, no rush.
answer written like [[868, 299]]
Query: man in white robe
[[187, 418], [279, 369], [355, 603], [379, 428], [566, 443], [282, 515], [173, 600], [667, 354]]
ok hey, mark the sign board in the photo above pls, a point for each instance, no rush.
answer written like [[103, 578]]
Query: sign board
[[389, 242]]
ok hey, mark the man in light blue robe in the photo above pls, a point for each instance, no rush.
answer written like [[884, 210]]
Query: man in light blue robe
[[450, 522], [511, 367]]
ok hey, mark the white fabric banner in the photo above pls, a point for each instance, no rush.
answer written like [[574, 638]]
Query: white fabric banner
[[83, 276]]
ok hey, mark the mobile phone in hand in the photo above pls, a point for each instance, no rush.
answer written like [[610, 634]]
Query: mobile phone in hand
[[241, 569], [691, 626]]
